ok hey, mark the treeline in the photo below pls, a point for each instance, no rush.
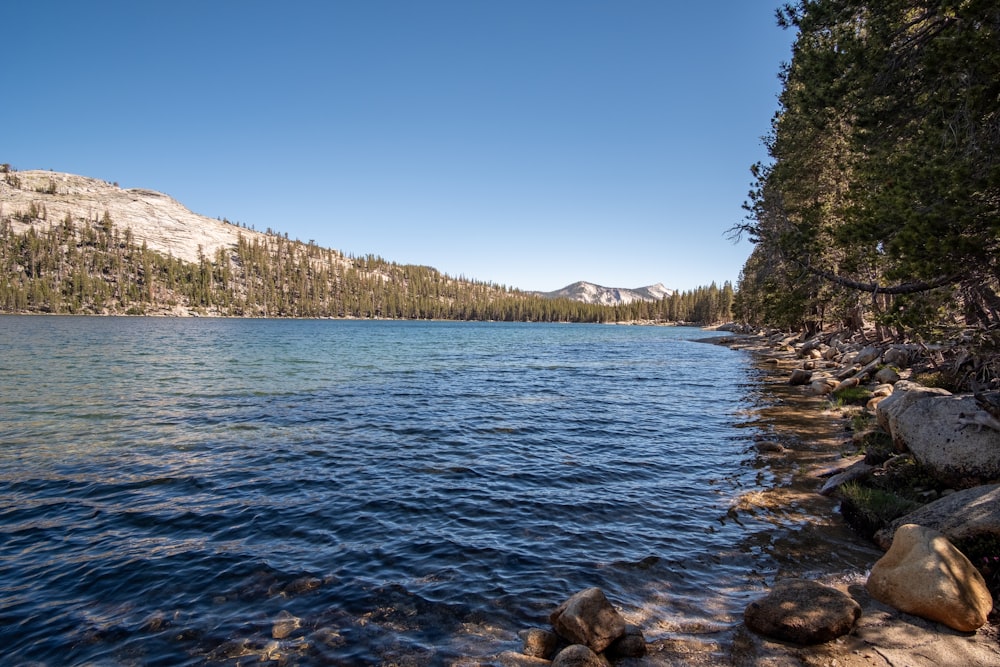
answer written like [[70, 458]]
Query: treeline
[[87, 267], [880, 205]]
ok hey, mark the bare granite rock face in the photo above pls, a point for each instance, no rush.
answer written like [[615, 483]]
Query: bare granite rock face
[[925, 575], [160, 221]]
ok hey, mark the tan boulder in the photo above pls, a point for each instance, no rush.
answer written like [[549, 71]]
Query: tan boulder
[[925, 575], [823, 386]]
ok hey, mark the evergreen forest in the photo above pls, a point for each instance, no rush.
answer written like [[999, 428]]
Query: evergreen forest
[[79, 266], [879, 208]]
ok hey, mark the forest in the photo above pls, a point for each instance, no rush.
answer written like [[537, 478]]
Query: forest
[[879, 208], [78, 266]]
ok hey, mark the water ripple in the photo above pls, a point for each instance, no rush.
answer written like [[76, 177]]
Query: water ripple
[[406, 492]]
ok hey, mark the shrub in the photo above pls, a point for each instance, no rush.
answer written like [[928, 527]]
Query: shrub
[[867, 509]]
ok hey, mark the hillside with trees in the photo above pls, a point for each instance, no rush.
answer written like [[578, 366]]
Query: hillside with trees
[[880, 206], [94, 264]]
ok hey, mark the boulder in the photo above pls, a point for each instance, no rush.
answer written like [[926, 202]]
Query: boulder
[[515, 659], [768, 447], [897, 356], [632, 644], [800, 376], [886, 376], [588, 618], [904, 395], [882, 390], [873, 402], [803, 612], [823, 386], [932, 430], [867, 355], [925, 575], [578, 655], [962, 516], [539, 643]]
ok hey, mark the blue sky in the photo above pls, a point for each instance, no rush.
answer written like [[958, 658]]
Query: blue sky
[[530, 143]]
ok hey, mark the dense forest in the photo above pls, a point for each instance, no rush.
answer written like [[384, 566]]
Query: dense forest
[[79, 266], [880, 206]]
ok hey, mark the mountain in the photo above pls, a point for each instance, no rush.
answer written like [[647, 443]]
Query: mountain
[[160, 221], [608, 296], [79, 245]]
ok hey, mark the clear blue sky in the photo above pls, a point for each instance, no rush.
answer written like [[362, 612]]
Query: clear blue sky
[[530, 143]]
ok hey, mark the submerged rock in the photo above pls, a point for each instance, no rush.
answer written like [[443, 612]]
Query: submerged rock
[[284, 625]]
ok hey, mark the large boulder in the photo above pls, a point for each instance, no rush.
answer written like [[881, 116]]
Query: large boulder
[[803, 612], [905, 395], [925, 575], [962, 517], [934, 429], [588, 618]]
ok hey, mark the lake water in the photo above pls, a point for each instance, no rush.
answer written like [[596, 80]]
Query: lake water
[[225, 491]]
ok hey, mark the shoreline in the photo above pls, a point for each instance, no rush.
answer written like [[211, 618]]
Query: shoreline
[[813, 436]]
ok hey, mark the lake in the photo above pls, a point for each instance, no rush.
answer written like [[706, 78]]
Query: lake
[[227, 491]]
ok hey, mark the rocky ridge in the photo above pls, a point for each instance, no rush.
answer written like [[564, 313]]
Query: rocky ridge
[[163, 223]]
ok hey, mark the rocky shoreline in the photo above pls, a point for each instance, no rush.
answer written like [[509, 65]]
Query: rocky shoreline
[[810, 442]]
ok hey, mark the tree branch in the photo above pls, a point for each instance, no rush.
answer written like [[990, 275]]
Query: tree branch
[[905, 288]]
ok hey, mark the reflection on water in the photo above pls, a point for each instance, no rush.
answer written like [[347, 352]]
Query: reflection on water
[[213, 491]]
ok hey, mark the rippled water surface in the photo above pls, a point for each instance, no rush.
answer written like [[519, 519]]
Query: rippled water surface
[[236, 491]]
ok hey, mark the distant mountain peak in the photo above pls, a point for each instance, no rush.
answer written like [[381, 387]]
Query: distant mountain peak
[[608, 296]]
